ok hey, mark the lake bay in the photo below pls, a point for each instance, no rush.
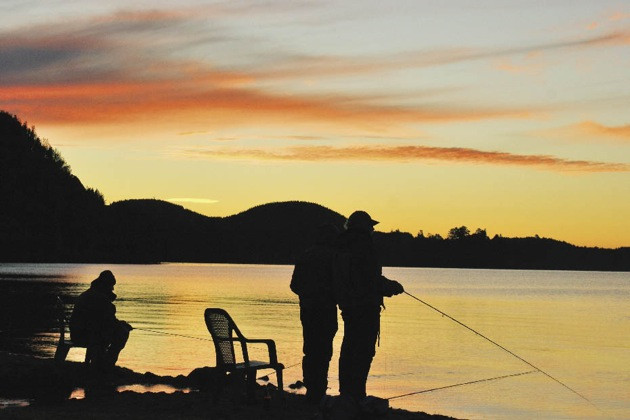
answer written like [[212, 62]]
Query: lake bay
[[573, 325]]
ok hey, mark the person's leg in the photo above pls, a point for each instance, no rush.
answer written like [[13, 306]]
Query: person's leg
[[357, 350], [346, 357], [365, 351], [305, 319], [319, 334], [119, 337]]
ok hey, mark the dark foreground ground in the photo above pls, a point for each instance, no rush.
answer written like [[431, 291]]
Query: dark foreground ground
[[48, 386]]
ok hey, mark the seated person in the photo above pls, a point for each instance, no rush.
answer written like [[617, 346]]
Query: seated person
[[94, 323]]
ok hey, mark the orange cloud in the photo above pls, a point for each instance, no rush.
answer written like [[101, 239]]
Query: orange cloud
[[413, 154], [592, 26], [592, 128], [127, 100], [509, 67], [618, 16], [101, 71], [121, 67]]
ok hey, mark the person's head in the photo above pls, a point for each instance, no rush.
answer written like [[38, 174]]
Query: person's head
[[360, 220], [105, 280]]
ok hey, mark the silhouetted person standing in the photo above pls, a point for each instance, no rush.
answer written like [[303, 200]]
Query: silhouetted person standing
[[312, 282], [94, 324], [359, 289]]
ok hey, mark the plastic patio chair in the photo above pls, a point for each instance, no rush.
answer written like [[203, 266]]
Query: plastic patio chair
[[224, 334]]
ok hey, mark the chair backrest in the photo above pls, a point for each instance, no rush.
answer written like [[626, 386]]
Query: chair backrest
[[221, 327]]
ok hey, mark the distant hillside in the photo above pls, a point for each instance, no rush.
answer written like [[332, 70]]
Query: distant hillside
[[47, 215], [153, 230], [45, 211]]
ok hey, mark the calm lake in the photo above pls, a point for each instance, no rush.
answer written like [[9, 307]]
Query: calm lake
[[573, 325]]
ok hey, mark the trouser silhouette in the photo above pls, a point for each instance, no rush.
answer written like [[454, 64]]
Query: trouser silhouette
[[319, 326], [361, 329], [108, 342]]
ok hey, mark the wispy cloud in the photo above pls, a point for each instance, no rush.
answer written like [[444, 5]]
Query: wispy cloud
[[106, 102], [120, 68], [412, 154], [619, 16], [529, 65], [132, 65], [590, 129], [609, 20], [301, 66]]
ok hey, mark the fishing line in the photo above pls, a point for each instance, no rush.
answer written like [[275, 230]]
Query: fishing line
[[176, 335], [463, 383], [266, 377], [503, 348], [202, 339]]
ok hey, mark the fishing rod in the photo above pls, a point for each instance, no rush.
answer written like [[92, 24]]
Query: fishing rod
[[503, 348], [462, 384]]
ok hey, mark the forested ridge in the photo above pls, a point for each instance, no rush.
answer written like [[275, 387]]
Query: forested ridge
[[48, 215]]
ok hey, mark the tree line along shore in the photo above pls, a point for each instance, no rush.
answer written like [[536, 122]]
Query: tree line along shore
[[48, 215]]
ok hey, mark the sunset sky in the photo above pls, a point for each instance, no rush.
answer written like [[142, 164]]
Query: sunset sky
[[508, 115]]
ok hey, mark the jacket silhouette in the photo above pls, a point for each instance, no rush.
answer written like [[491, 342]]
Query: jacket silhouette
[[93, 322], [359, 287], [312, 282]]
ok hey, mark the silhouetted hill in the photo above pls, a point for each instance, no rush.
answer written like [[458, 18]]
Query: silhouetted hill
[[275, 232], [154, 230], [46, 214]]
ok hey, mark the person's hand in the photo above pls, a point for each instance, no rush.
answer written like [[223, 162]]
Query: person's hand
[[392, 288], [397, 288], [128, 325]]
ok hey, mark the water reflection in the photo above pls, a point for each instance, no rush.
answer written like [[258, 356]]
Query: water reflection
[[29, 310], [79, 393], [9, 403], [576, 325]]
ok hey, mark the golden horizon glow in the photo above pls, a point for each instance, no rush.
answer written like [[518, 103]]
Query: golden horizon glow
[[517, 124]]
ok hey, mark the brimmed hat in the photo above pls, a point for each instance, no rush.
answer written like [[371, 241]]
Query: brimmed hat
[[360, 220]]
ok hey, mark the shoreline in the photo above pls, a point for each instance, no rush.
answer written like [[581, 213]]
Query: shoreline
[[47, 386]]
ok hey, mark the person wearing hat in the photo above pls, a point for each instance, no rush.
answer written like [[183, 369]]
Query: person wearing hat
[[359, 288], [312, 282], [94, 324]]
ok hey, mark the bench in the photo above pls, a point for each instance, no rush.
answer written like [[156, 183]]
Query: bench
[[64, 345]]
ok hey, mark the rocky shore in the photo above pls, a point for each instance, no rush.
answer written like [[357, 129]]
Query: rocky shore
[[47, 388]]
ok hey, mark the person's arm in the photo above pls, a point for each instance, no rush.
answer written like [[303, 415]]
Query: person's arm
[[390, 287]]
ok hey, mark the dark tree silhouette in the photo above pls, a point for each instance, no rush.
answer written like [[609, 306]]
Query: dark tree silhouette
[[46, 214], [458, 233]]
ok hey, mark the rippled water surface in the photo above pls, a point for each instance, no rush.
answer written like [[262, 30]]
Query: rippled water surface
[[573, 325]]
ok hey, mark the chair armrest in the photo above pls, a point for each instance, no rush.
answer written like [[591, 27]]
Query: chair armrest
[[271, 346]]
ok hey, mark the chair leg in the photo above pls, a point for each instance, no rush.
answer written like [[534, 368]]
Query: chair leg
[[62, 352], [280, 383], [251, 384], [89, 355]]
